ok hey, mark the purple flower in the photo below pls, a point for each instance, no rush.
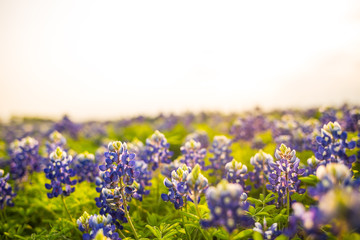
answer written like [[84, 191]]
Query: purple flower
[[91, 225], [261, 171], [331, 176], [246, 128], [56, 140], [25, 158], [267, 232], [284, 174], [236, 172], [86, 168], [199, 136], [117, 186], [193, 154], [332, 145], [228, 206], [220, 148], [60, 173], [178, 188], [157, 150], [6, 193], [311, 221]]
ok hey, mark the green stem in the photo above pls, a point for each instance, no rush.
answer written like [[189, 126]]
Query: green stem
[[196, 205], [67, 210], [126, 210], [183, 221], [198, 212], [121, 233], [287, 200]]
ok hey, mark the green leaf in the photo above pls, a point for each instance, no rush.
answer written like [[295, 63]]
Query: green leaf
[[252, 210], [261, 197], [254, 200], [262, 214], [257, 236], [282, 237], [268, 208], [311, 179], [190, 215], [243, 234]]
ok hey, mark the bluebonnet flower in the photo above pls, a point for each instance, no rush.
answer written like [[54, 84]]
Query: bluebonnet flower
[[228, 206], [332, 145], [90, 225], [66, 125], [157, 150], [178, 188], [284, 174], [118, 182], [100, 155], [25, 158], [352, 120], [236, 172], [137, 147], [6, 192], [60, 173], [86, 168], [261, 171], [340, 207], [145, 174], [220, 148], [56, 140], [328, 114], [313, 164], [311, 221], [168, 168], [199, 136], [193, 154], [246, 128], [143, 179], [196, 183], [333, 175], [293, 133], [267, 232]]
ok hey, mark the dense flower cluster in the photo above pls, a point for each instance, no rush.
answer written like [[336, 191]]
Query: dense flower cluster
[[60, 173], [91, 224], [118, 182], [332, 145], [157, 150], [331, 176], [310, 221], [86, 168], [193, 153], [261, 171], [199, 136], [56, 140], [25, 158], [284, 174], [145, 174], [221, 151], [236, 172], [143, 179], [228, 205], [246, 128], [66, 125], [6, 192], [178, 188]]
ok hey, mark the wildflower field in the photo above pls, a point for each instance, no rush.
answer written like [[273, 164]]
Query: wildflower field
[[286, 174]]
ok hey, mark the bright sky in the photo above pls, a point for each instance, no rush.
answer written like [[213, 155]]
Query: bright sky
[[107, 59]]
